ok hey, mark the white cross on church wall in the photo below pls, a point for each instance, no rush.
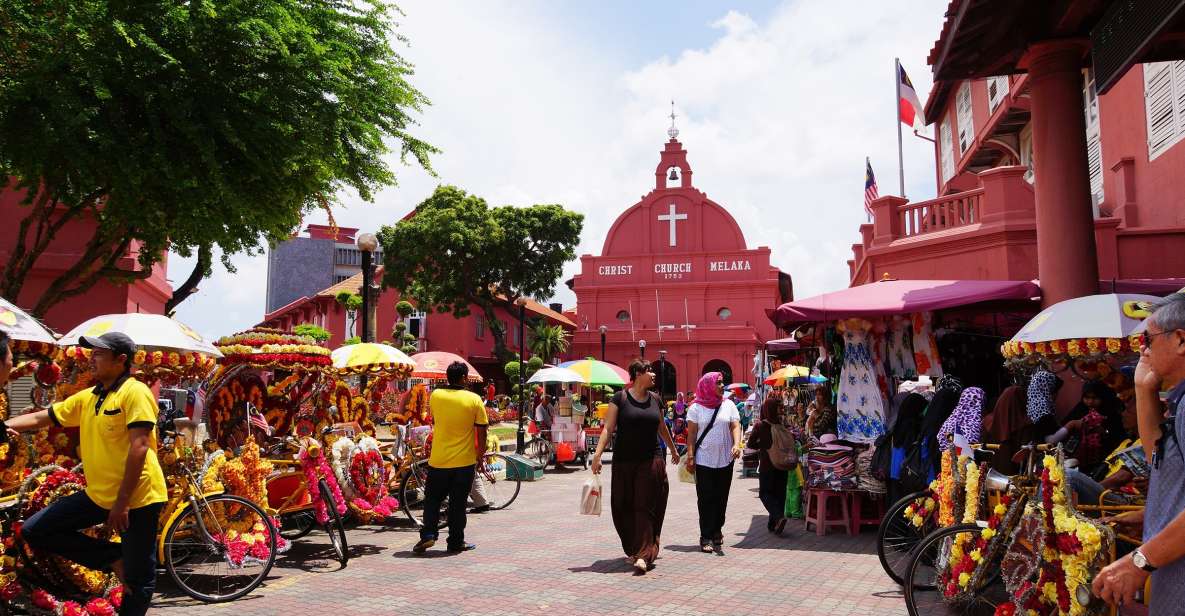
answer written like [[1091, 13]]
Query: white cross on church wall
[[671, 218]]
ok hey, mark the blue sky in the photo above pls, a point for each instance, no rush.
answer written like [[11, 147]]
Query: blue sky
[[566, 102]]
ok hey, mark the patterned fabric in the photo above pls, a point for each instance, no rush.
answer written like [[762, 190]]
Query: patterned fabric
[[861, 407], [925, 348], [866, 480], [967, 418], [1041, 390], [705, 390], [832, 469], [899, 348]]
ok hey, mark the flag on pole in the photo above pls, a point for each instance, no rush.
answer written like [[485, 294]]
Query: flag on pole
[[870, 193], [256, 419], [911, 111]]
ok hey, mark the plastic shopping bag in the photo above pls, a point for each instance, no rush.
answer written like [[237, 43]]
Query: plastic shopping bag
[[590, 496], [686, 475]]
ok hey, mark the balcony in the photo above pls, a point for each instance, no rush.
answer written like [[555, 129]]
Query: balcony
[[988, 232]]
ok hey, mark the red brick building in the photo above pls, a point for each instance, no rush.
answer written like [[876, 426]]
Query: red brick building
[[676, 273], [1046, 168]]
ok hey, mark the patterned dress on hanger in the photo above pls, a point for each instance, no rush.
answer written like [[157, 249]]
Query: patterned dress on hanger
[[925, 348], [899, 340], [860, 407]]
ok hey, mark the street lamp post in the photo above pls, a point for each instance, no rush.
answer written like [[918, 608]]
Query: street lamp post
[[642, 348], [521, 437], [367, 243], [662, 375], [604, 330]]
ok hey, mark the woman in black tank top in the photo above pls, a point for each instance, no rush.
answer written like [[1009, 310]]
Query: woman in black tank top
[[638, 487]]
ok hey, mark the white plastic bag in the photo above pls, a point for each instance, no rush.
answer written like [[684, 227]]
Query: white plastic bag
[[590, 496]]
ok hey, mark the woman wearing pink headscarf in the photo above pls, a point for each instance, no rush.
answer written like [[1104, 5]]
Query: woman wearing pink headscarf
[[713, 444]]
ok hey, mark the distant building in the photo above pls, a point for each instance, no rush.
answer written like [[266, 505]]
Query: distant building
[[303, 266]]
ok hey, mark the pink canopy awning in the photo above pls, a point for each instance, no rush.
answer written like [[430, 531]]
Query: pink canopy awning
[[900, 297]]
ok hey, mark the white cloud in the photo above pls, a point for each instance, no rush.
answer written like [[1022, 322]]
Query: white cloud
[[777, 118]]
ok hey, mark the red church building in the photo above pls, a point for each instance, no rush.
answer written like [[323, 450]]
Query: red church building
[[676, 283]]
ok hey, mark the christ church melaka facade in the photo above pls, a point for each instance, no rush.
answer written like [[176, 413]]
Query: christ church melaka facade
[[677, 284]]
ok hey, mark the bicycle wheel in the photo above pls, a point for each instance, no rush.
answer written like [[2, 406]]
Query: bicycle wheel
[[896, 538], [334, 526], [923, 594], [297, 524], [500, 488], [205, 564], [411, 491], [538, 450]]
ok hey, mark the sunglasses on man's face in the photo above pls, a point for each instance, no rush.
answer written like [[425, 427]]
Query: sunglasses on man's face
[[1146, 337]]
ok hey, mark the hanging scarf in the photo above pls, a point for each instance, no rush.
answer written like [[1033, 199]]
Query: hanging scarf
[[1041, 391], [705, 392], [967, 418]]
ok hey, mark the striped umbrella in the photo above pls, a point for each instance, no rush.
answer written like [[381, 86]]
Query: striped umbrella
[[792, 373], [597, 372], [433, 364], [371, 358]]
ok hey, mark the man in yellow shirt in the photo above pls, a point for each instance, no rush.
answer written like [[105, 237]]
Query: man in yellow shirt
[[458, 442], [125, 485]]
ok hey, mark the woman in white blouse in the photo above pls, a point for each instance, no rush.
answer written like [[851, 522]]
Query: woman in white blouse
[[713, 444]]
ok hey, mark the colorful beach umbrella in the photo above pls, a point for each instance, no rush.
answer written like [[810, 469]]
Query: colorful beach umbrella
[[371, 358], [597, 372], [787, 373], [556, 375], [739, 387], [433, 364], [19, 325]]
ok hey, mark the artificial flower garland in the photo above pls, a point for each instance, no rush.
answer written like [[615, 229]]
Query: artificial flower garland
[[315, 467], [920, 510], [363, 472], [1074, 348], [963, 562], [155, 364]]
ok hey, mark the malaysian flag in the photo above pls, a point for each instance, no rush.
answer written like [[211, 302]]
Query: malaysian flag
[[256, 419], [195, 404], [870, 193]]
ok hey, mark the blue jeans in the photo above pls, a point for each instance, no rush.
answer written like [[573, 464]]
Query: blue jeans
[[454, 483], [55, 529]]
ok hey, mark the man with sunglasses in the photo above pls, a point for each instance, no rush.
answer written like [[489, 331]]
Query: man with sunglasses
[[125, 487], [1162, 364]]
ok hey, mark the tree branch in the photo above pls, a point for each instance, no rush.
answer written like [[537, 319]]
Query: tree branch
[[96, 248], [201, 269]]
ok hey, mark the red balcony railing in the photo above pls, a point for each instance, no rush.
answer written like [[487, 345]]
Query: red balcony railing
[[957, 210]]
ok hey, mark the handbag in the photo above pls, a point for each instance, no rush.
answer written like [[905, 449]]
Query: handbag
[[687, 475]]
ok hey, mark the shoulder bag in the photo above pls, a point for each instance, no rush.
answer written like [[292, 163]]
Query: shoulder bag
[[687, 475]]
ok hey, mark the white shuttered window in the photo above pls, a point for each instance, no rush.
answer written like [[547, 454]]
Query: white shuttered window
[[997, 89], [1094, 141], [946, 150], [1164, 105], [966, 118]]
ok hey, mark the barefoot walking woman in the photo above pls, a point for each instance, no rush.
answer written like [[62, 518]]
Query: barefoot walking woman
[[638, 489]]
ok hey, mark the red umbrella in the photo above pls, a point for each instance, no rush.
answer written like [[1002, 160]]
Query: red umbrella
[[433, 364]]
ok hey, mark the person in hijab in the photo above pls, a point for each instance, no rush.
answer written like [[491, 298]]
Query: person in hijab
[[1009, 426], [771, 481], [713, 444], [967, 419], [904, 435], [1043, 388], [680, 423], [1093, 427]]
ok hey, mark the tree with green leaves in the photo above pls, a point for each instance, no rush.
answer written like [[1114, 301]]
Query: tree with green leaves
[[191, 126], [352, 303], [547, 341], [316, 332], [458, 254]]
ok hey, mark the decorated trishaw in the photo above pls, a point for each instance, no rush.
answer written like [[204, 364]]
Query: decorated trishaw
[[979, 542]]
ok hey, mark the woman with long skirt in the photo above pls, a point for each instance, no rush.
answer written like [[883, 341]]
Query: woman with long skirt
[[638, 488]]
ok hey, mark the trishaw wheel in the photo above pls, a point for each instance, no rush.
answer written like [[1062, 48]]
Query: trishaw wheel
[[896, 538], [334, 526], [411, 491], [923, 594], [297, 524], [501, 487], [207, 566]]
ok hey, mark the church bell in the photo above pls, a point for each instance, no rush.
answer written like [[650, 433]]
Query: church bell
[[672, 177]]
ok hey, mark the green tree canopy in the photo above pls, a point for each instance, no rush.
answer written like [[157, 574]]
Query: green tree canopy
[[547, 341], [457, 252], [316, 332], [191, 125]]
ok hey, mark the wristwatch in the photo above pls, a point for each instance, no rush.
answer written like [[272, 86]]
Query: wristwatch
[[1141, 561]]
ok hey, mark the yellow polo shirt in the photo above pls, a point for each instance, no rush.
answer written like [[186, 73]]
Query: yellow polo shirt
[[104, 444], [456, 413]]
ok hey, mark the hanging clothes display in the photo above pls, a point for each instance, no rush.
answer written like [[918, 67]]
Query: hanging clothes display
[[860, 406], [925, 348], [899, 347], [880, 357]]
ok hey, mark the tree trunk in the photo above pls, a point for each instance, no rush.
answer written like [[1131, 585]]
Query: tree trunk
[[201, 270], [500, 350]]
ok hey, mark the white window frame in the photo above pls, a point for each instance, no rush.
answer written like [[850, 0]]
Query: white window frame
[[1164, 105], [965, 112], [1094, 138], [997, 89], [946, 153]]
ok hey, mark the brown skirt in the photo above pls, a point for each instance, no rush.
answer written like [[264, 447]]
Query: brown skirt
[[639, 502]]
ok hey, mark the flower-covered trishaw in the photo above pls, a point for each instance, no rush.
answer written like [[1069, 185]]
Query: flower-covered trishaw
[[1020, 545]]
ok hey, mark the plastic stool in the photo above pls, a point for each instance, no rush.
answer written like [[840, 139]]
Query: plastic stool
[[820, 513], [867, 510]]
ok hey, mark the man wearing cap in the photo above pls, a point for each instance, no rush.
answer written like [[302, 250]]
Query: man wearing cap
[[125, 485]]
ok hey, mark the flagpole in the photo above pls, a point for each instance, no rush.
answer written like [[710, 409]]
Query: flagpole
[[900, 155]]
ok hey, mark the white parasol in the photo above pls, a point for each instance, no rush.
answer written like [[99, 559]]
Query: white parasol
[[149, 331], [19, 325], [556, 375]]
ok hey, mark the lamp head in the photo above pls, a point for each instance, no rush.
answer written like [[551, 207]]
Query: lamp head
[[603, 329], [367, 242], [641, 344]]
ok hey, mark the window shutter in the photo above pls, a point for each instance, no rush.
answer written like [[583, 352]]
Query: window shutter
[[1179, 87], [945, 146], [997, 89], [1094, 143], [966, 118], [1159, 107]]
